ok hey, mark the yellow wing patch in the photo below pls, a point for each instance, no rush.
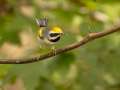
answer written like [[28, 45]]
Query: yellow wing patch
[[40, 32]]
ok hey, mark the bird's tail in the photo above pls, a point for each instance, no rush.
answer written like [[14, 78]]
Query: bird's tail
[[42, 22]]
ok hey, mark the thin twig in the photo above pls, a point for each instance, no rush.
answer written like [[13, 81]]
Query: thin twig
[[86, 39]]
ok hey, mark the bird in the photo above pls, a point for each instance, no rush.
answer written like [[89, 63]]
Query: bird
[[48, 35]]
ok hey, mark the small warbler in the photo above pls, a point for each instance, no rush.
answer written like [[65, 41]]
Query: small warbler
[[48, 35]]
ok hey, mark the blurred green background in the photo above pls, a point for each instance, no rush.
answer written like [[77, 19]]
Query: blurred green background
[[95, 66]]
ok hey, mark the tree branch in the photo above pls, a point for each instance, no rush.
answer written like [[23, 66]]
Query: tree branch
[[86, 39]]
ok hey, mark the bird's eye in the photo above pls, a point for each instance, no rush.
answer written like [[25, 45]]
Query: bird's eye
[[54, 34]]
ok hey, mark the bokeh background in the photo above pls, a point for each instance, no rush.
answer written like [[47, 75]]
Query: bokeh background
[[95, 66]]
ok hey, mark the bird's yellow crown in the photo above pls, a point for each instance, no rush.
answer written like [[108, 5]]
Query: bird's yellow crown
[[56, 30]]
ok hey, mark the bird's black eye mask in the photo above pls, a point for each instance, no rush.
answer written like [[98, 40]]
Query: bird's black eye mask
[[54, 34]]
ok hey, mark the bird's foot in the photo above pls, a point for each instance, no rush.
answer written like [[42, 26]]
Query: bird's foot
[[54, 51]]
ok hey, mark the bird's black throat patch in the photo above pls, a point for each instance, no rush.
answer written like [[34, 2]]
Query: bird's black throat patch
[[54, 40]]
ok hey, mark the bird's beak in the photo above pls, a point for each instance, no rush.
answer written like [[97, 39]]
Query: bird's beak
[[62, 33]]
